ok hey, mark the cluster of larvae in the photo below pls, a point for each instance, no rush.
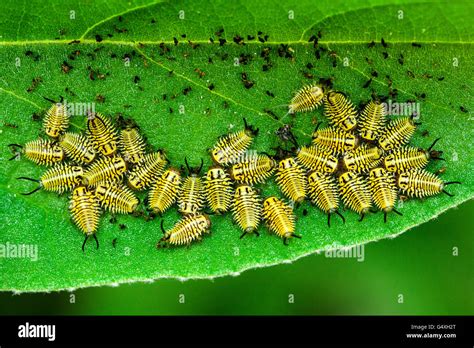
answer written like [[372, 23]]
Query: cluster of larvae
[[361, 159]]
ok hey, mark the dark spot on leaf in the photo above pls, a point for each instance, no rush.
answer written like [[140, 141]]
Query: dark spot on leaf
[[136, 79], [250, 37], [122, 226], [219, 32], [425, 133], [410, 74], [441, 78], [270, 94], [222, 42], [414, 44], [99, 98], [245, 58], [187, 90], [98, 38], [385, 55], [374, 73], [371, 44], [225, 104], [211, 87], [401, 59], [171, 110], [463, 109], [305, 212], [239, 40], [183, 36], [175, 40], [211, 40], [66, 67], [34, 84], [193, 45], [74, 42], [367, 84], [384, 44], [200, 73], [32, 55], [113, 220], [271, 113], [309, 66]]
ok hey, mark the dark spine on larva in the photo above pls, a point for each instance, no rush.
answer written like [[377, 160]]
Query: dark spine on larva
[[43, 152], [322, 190], [61, 178], [291, 178]]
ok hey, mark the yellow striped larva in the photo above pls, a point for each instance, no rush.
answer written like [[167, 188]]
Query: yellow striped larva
[[340, 111], [60, 178], [85, 212], [188, 229], [279, 218]]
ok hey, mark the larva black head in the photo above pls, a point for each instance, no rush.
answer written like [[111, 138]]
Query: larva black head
[[14, 149], [287, 239], [249, 129], [193, 171], [249, 232], [30, 179], [338, 213], [85, 240], [285, 134], [434, 154], [316, 129], [281, 153], [450, 183], [61, 99]]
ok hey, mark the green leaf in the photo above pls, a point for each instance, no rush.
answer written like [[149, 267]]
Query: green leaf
[[36, 40]]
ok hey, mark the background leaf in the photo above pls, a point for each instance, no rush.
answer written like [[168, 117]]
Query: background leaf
[[41, 38]]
